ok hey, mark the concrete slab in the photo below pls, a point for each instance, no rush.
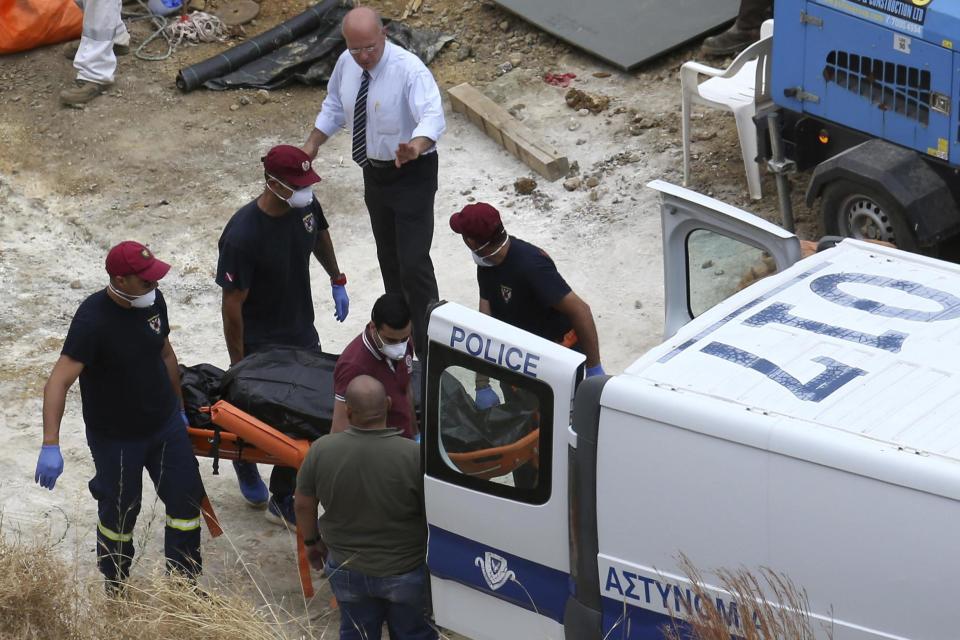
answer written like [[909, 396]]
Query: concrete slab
[[625, 33]]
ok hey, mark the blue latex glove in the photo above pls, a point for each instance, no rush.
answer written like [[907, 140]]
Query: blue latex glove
[[341, 301], [416, 438], [183, 416], [486, 398], [49, 466], [595, 371]]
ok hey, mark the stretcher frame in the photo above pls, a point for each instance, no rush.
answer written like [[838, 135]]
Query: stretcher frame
[[245, 438]]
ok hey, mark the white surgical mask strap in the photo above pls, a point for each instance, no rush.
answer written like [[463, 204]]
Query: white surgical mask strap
[[492, 253], [281, 183], [125, 296]]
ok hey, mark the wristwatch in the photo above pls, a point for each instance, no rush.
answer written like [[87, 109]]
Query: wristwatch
[[311, 542], [339, 280]]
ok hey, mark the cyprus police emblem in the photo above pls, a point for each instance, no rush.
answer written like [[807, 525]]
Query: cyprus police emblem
[[154, 323], [494, 569]]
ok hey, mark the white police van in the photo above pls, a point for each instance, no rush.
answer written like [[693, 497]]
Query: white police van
[[806, 423]]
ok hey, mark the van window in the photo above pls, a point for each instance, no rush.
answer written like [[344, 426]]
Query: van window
[[719, 266], [487, 427]]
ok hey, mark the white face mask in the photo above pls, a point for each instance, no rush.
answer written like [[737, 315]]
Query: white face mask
[[485, 261], [393, 351], [298, 199], [481, 262], [137, 302], [301, 198]]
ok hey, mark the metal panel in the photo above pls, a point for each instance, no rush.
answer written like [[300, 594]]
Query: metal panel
[[625, 33], [878, 81]]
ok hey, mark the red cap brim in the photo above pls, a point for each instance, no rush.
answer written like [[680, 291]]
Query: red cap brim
[[307, 179], [156, 271]]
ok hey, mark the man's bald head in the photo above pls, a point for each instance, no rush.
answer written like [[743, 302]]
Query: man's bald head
[[363, 32], [362, 18], [367, 403]]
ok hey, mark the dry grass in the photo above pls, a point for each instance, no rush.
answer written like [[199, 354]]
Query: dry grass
[[41, 597], [769, 608], [37, 595]]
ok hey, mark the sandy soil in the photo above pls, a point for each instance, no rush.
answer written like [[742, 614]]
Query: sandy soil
[[146, 162]]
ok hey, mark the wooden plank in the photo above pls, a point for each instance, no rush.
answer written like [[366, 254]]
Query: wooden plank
[[507, 131]]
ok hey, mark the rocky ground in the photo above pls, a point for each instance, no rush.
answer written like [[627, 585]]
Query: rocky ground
[[147, 162]]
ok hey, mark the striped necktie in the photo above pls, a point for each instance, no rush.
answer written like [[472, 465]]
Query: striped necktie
[[360, 123]]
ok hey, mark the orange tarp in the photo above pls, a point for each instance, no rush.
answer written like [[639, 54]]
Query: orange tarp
[[27, 24]]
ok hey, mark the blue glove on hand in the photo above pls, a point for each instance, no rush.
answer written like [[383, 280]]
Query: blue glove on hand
[[486, 398], [416, 438], [49, 466], [341, 301], [595, 371], [183, 416]]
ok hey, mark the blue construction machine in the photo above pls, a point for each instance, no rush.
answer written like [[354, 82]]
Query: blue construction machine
[[867, 94]]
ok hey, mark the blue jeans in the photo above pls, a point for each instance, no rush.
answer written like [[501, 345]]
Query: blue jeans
[[366, 602]]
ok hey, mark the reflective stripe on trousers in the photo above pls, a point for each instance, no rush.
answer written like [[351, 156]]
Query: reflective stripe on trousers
[[112, 535], [183, 525]]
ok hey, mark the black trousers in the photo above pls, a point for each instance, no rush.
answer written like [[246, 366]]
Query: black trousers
[[400, 204], [752, 13]]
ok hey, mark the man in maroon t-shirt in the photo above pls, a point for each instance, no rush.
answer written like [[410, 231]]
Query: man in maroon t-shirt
[[382, 350]]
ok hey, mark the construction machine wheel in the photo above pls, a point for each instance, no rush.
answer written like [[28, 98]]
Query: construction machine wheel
[[861, 212]]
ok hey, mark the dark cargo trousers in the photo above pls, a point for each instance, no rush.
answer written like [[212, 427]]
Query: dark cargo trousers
[[117, 486]]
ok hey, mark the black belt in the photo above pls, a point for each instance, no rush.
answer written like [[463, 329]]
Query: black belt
[[391, 164], [382, 164]]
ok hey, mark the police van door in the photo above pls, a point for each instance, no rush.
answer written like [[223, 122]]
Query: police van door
[[711, 250], [496, 421]]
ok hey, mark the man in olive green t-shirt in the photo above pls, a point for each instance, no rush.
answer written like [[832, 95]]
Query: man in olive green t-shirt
[[372, 536]]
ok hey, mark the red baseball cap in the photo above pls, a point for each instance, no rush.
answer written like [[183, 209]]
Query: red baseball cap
[[132, 258], [479, 221], [290, 165]]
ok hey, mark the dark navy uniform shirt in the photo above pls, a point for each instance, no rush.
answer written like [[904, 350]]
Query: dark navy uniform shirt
[[523, 289], [270, 257], [124, 386]]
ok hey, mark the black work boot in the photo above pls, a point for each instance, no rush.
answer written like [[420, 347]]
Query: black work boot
[[733, 40]]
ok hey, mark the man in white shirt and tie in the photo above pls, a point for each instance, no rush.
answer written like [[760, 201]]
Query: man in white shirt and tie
[[391, 102]]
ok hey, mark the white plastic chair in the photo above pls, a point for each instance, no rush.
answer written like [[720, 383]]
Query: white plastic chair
[[741, 87]]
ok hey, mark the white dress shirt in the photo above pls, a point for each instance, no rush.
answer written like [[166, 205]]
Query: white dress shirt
[[403, 101]]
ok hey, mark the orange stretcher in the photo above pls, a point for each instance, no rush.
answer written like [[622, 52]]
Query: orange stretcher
[[243, 437], [499, 461]]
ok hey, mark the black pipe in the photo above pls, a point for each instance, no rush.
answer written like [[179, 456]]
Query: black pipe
[[232, 59]]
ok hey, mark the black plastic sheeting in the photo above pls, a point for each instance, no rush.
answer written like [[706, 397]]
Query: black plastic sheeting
[[303, 49], [465, 428], [201, 388], [289, 389]]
